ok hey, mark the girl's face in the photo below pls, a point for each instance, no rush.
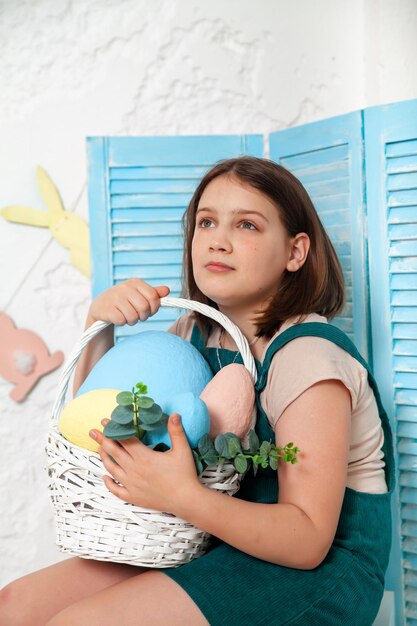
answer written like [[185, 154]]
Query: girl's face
[[240, 247]]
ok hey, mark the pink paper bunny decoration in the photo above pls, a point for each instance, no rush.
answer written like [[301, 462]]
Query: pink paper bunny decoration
[[24, 358]]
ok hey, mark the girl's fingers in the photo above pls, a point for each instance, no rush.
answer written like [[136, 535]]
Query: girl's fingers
[[152, 294], [111, 447], [119, 449], [117, 317], [130, 312], [149, 297], [117, 490], [141, 305], [128, 302], [137, 305], [163, 290], [115, 470], [117, 314], [134, 447]]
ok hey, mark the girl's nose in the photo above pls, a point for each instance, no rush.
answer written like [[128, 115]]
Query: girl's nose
[[220, 241], [222, 245]]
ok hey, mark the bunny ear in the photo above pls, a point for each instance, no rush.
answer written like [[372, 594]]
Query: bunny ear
[[49, 192], [25, 215]]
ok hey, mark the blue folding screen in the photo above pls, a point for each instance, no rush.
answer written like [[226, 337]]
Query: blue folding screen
[[391, 181], [139, 188], [365, 192], [361, 172], [327, 157]]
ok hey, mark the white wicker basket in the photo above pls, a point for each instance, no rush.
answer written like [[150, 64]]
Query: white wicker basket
[[93, 523]]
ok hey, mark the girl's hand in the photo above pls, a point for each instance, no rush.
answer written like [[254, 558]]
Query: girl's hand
[[164, 481], [127, 302]]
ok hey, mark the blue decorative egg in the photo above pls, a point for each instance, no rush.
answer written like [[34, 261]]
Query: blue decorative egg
[[195, 420], [173, 370]]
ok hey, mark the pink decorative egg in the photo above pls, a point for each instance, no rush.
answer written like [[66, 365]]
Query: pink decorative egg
[[233, 413]]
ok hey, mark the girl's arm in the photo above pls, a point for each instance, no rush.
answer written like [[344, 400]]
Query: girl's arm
[[299, 530], [125, 303], [295, 532]]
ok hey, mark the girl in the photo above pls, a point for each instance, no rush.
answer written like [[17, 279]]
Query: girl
[[314, 550]]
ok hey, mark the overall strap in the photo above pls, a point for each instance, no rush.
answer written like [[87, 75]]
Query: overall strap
[[334, 334], [197, 340], [215, 357], [308, 329]]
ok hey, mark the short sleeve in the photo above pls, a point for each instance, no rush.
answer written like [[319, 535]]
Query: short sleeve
[[304, 362]]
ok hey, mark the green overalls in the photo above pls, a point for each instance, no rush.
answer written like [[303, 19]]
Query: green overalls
[[233, 588]]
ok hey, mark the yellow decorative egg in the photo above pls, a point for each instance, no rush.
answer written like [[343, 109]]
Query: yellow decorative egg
[[84, 413]]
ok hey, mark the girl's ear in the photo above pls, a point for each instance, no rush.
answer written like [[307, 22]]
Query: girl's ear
[[300, 245]]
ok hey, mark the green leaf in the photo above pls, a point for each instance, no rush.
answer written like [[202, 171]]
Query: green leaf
[[116, 431], [289, 445], [205, 444], [198, 464], [156, 426], [207, 450], [241, 464], [211, 458], [234, 446], [122, 414], [273, 462], [265, 449], [144, 402], [220, 443], [151, 415], [253, 442], [124, 398], [141, 388]]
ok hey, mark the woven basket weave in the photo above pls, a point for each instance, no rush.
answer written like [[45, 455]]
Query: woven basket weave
[[93, 523]]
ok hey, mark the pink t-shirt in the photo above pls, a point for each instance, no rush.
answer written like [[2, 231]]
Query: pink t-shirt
[[299, 365]]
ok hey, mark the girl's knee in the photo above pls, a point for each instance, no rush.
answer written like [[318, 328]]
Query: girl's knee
[[13, 605]]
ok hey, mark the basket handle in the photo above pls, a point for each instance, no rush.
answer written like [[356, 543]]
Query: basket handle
[[180, 303]]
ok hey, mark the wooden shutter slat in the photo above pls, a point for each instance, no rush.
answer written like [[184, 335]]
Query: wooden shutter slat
[[327, 158], [391, 172], [195, 172]]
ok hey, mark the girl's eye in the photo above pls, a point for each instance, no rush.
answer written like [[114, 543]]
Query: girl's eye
[[205, 222], [248, 226]]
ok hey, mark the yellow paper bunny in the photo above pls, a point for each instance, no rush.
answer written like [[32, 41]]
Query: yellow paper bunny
[[69, 229]]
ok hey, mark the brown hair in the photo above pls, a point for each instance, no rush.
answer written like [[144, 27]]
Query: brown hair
[[317, 287]]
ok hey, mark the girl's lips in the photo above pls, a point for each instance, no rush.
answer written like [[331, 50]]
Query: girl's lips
[[218, 267]]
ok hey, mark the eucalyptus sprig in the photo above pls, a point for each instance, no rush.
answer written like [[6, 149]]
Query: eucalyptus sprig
[[228, 447], [134, 414]]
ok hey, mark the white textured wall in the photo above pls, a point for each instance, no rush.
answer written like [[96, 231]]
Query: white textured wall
[[74, 68]]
